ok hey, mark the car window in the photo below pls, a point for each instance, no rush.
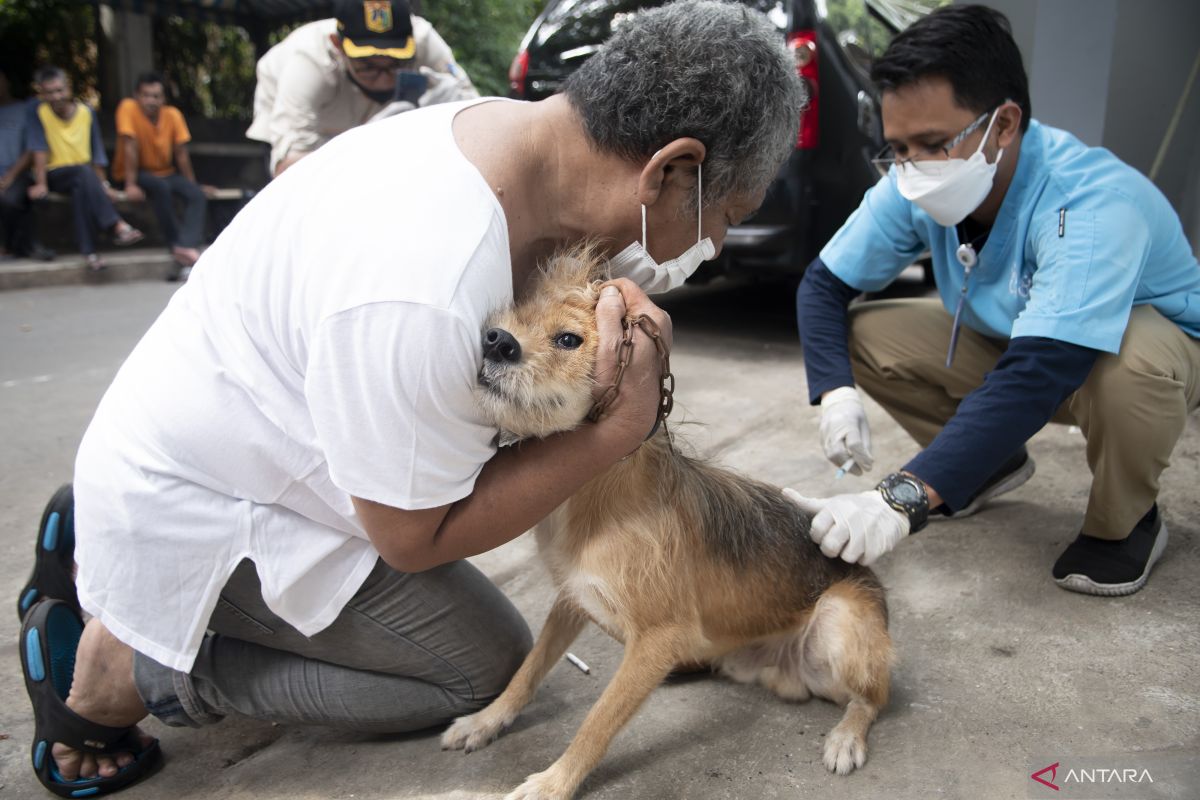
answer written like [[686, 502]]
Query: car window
[[861, 35], [864, 28]]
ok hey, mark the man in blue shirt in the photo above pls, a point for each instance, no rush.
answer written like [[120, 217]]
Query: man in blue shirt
[[16, 209], [1067, 292]]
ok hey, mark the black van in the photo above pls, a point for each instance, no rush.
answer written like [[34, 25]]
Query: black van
[[830, 168]]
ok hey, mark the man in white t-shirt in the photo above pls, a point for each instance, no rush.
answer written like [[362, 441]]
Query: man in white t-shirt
[[329, 76], [276, 496]]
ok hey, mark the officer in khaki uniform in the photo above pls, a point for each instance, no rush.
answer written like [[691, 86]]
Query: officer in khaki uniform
[[335, 74], [1067, 293]]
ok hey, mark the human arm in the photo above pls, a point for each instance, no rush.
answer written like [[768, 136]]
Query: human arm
[[293, 123], [822, 301], [1018, 397], [129, 145], [19, 166], [39, 188], [521, 484], [183, 162]]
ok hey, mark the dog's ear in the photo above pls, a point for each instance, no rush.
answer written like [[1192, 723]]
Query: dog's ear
[[578, 267]]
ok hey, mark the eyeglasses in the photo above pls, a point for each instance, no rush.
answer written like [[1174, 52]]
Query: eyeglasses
[[372, 69], [885, 158]]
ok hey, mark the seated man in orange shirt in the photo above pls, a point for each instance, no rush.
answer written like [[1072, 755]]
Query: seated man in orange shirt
[[152, 159]]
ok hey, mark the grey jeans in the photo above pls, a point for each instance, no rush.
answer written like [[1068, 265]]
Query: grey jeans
[[408, 652]]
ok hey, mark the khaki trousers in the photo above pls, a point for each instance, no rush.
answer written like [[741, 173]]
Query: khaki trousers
[[1132, 408]]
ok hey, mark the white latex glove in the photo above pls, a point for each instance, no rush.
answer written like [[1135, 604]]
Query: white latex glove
[[845, 433], [392, 109], [858, 527], [442, 87]]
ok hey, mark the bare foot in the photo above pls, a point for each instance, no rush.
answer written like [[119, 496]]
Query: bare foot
[[103, 692]]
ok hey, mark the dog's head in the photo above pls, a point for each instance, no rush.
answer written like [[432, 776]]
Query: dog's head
[[538, 356]]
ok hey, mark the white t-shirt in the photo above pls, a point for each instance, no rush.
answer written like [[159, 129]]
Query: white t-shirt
[[304, 96], [325, 346]]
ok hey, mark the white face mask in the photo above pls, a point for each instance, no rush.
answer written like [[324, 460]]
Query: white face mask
[[949, 190], [635, 263]]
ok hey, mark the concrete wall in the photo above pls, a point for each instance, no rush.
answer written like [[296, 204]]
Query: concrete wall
[[1113, 73]]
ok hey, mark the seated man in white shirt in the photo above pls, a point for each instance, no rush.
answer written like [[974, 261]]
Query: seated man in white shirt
[[332, 75]]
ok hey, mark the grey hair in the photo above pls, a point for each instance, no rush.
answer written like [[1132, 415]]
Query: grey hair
[[715, 71]]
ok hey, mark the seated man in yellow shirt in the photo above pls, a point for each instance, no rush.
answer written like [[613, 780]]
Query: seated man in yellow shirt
[[68, 157], [152, 158]]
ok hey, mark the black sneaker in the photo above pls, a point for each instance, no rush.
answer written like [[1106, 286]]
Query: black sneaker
[[1011, 475], [1111, 568]]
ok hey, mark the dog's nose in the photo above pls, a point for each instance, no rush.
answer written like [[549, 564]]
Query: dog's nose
[[500, 345]]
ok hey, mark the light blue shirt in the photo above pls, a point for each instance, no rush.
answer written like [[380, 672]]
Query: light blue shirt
[[1119, 244]]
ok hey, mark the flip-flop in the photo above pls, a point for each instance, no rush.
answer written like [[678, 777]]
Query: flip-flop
[[128, 235], [49, 639], [54, 558]]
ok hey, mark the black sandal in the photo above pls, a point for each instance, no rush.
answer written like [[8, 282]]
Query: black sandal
[[54, 559], [49, 639]]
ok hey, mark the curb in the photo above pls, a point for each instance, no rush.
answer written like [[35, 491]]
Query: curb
[[135, 265]]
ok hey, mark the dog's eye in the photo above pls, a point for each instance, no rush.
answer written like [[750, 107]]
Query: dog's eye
[[568, 341]]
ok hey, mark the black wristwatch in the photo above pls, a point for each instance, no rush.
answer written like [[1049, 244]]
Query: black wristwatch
[[907, 495]]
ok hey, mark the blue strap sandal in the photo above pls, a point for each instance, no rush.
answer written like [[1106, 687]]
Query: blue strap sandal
[[54, 560], [49, 638]]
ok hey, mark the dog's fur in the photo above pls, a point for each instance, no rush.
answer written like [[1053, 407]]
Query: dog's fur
[[680, 560]]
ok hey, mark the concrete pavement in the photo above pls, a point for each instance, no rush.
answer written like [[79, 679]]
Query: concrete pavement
[[1000, 672]]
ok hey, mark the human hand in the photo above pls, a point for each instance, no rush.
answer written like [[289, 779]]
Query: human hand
[[392, 109], [442, 88], [134, 193], [37, 191], [208, 190], [845, 433], [858, 527], [634, 411]]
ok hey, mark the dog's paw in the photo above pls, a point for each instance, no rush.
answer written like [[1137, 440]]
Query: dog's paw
[[844, 751], [541, 786], [476, 731], [546, 785]]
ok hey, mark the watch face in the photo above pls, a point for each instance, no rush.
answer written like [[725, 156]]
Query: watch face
[[906, 493]]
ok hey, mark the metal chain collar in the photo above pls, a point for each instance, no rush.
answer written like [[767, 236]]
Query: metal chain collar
[[666, 392]]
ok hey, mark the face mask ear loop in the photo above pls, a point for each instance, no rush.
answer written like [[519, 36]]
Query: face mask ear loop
[[699, 200], [643, 227], [988, 131]]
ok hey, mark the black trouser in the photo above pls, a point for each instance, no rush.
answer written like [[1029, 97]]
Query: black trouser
[[190, 231], [89, 204], [16, 216]]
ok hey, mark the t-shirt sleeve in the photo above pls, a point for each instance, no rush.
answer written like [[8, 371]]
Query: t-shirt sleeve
[[125, 111], [877, 242], [35, 133], [1088, 269], [390, 387], [180, 131]]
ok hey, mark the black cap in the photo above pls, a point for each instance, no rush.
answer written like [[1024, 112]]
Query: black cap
[[375, 28]]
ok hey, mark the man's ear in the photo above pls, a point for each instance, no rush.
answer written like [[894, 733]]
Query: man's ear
[[683, 152], [1008, 124]]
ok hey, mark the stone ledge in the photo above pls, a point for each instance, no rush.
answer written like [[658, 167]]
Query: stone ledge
[[125, 265]]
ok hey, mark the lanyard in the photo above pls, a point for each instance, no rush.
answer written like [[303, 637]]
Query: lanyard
[[968, 258]]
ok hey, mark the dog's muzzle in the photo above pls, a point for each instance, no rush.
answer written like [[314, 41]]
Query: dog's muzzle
[[501, 346]]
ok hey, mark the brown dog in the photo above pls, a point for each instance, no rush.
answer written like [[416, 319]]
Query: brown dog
[[681, 561]]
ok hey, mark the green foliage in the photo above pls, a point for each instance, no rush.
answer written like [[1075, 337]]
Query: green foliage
[[59, 32], [484, 35], [209, 67]]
